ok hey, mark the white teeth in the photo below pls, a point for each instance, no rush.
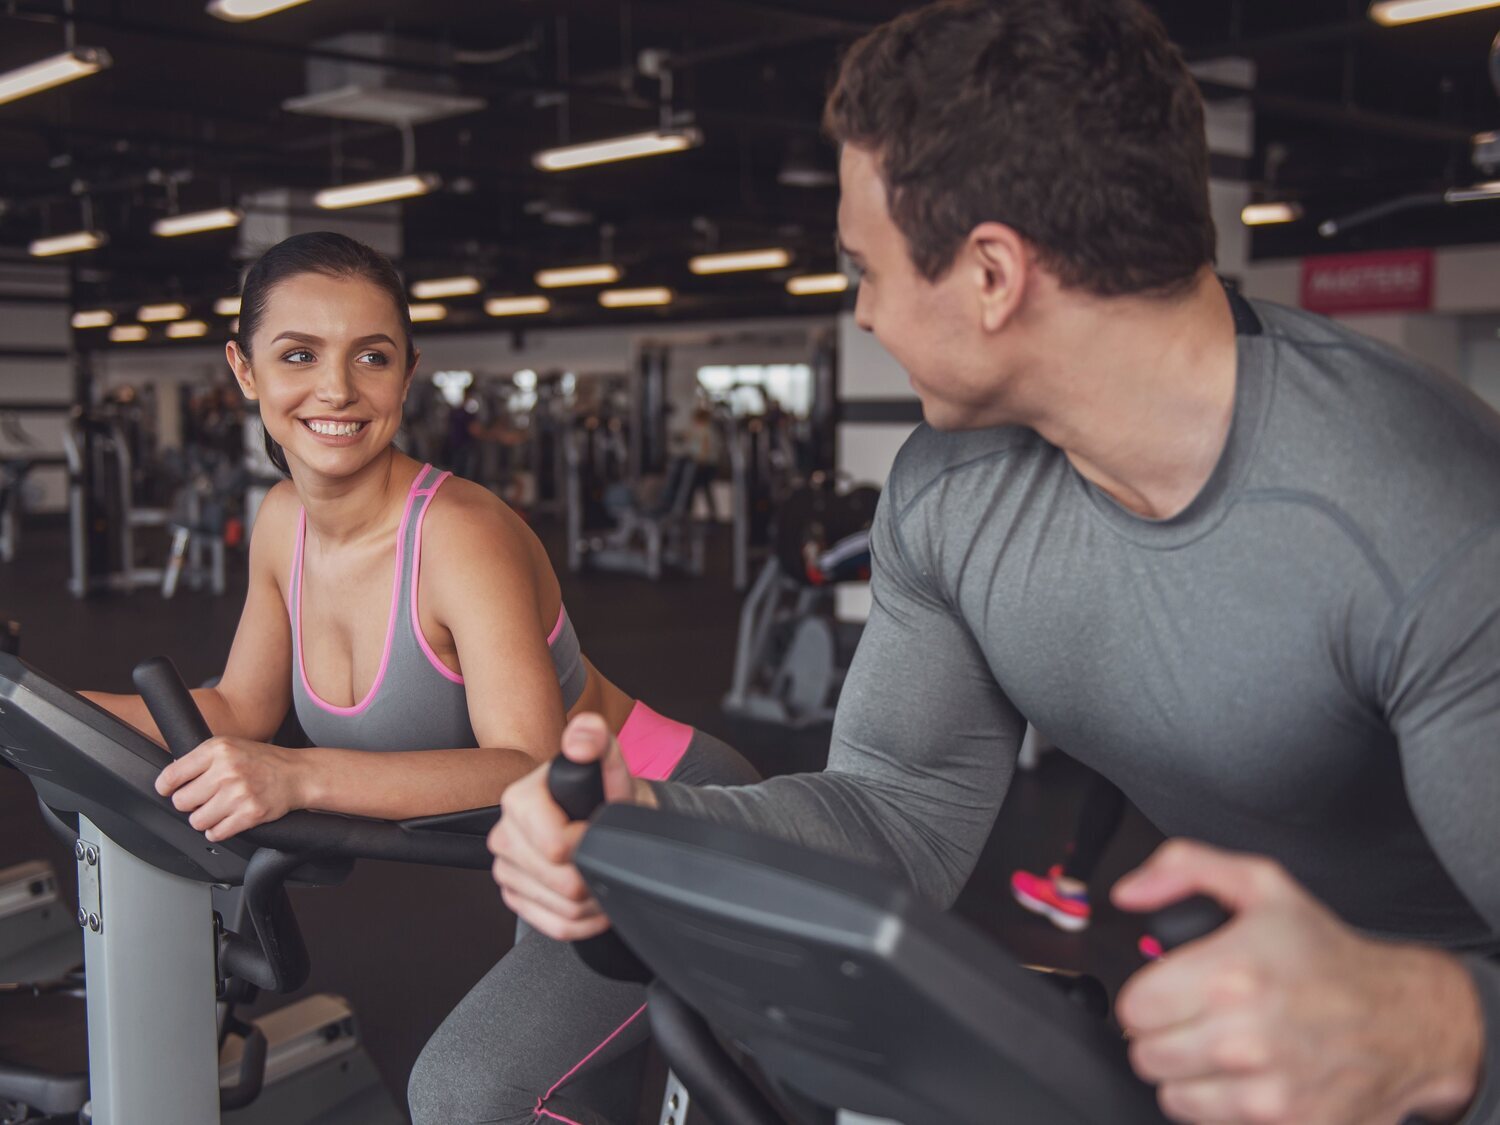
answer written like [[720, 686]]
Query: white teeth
[[335, 429]]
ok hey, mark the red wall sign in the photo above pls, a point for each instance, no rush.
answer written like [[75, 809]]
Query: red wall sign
[[1387, 281]]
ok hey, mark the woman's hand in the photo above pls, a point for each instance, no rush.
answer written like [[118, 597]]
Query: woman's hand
[[231, 784]]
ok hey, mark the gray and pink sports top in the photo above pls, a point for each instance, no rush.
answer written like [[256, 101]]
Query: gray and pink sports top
[[416, 701]]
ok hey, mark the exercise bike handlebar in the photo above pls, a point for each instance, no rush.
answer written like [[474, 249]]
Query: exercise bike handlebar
[[310, 834], [578, 789]]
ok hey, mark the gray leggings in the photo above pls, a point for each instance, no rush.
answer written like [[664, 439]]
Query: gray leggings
[[541, 1038]]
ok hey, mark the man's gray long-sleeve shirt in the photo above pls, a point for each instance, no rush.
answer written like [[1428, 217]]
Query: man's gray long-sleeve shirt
[[1304, 663]]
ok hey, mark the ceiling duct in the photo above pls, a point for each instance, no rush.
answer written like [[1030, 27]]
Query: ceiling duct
[[398, 94]]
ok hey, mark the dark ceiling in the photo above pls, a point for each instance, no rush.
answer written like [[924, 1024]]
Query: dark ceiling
[[1348, 114]]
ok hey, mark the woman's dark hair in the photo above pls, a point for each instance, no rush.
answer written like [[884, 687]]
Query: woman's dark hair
[[334, 255], [1074, 122]]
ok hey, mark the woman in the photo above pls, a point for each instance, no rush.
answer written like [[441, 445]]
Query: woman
[[417, 626]]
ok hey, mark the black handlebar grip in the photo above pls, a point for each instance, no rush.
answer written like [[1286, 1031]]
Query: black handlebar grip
[[171, 704], [578, 789], [1192, 918]]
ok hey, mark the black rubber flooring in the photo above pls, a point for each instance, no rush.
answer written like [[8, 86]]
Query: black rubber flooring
[[404, 944]]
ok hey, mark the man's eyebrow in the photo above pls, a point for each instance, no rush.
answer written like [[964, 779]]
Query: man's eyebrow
[[847, 250]]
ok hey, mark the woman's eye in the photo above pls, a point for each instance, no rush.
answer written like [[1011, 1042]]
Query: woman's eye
[[374, 359], [297, 355]]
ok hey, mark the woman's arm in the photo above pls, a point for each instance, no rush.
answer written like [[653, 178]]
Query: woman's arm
[[479, 582], [253, 694]]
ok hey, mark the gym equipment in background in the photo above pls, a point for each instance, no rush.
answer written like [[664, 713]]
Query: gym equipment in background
[[792, 652]]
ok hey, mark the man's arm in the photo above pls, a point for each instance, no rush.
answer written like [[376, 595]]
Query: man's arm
[[924, 741], [1442, 697]]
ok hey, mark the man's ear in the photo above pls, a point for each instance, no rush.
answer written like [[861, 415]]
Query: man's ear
[[239, 363], [998, 260]]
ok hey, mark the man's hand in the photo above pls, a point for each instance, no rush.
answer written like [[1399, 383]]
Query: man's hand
[[533, 842], [231, 784], [1286, 1014]]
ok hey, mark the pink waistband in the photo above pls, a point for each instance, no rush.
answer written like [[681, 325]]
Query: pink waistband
[[653, 744]]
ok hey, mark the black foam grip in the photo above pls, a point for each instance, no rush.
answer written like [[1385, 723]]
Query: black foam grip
[[578, 789], [1185, 921], [171, 705]]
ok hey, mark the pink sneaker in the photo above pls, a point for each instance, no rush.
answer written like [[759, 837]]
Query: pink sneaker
[[1041, 895]]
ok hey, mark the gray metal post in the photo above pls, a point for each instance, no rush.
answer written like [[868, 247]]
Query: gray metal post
[[149, 954]]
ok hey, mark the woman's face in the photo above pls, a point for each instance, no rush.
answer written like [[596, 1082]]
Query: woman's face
[[329, 370]]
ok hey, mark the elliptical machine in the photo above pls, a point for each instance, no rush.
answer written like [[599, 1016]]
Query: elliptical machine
[[792, 652]]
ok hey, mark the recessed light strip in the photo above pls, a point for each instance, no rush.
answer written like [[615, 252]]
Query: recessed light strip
[[603, 274], [771, 259], [1393, 12], [39, 76], [439, 287], [812, 283], [517, 306], [75, 243], [659, 142], [375, 191], [635, 298], [221, 218]]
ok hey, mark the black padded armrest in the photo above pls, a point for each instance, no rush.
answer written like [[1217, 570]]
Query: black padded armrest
[[470, 822]]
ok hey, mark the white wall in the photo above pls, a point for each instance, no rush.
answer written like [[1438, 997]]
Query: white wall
[[1466, 282]]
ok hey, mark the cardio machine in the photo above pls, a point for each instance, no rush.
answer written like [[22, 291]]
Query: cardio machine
[[837, 988], [159, 960]]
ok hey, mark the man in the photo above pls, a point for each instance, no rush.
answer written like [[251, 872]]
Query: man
[[1239, 560]]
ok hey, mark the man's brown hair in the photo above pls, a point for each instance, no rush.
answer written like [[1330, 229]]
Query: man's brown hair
[[1074, 122]]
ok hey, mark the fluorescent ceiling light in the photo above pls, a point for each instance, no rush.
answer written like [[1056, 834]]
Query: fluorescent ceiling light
[[128, 333], [658, 142], [44, 75], [238, 11], [187, 329], [75, 243], [578, 275], [1392, 12], [421, 313], [221, 218], [635, 298], [93, 318], [171, 310], [1264, 214], [375, 191], [740, 260], [437, 287], [227, 306], [516, 306], [811, 283], [1473, 192]]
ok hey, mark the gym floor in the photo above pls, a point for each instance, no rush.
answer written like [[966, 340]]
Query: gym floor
[[403, 944]]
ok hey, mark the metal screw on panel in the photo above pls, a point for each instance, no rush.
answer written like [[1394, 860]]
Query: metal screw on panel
[[94, 922], [78, 850], [91, 853]]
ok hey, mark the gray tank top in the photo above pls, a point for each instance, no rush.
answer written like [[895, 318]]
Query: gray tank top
[[416, 701]]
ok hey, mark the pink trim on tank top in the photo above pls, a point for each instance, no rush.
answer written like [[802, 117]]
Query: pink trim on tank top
[[652, 744], [416, 573], [557, 628], [390, 625]]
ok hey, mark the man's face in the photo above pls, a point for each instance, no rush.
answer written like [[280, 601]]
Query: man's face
[[932, 329]]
